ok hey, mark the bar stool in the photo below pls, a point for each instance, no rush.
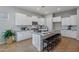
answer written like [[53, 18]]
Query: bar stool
[[51, 42]]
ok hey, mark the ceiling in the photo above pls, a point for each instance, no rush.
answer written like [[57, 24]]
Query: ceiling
[[43, 10]]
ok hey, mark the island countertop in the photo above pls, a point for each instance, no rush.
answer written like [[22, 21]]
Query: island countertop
[[44, 35], [37, 39]]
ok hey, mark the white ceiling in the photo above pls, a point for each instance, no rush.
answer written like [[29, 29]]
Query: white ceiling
[[47, 9]]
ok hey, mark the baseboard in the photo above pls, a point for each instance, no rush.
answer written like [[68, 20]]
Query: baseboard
[[68, 37], [24, 40]]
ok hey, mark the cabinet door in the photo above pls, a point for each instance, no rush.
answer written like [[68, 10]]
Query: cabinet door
[[41, 21], [63, 21], [20, 19], [57, 19], [49, 24], [34, 18], [73, 34], [34, 40], [66, 33], [63, 33], [29, 34], [69, 33], [73, 20], [23, 35], [66, 21], [28, 20], [20, 36]]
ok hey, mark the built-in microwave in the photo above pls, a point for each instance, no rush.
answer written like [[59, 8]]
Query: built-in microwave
[[34, 23]]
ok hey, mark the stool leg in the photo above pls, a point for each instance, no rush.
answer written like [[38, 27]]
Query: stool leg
[[47, 48]]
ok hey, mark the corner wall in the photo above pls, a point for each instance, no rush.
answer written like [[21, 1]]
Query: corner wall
[[49, 24], [78, 23]]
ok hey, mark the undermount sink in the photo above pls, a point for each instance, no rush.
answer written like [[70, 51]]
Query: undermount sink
[[46, 33]]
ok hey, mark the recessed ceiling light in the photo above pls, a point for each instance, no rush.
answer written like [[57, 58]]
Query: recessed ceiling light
[[58, 9]]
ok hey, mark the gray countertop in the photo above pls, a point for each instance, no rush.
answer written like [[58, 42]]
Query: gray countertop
[[44, 35], [22, 30], [70, 30]]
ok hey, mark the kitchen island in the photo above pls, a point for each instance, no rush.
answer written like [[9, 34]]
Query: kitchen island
[[37, 39]]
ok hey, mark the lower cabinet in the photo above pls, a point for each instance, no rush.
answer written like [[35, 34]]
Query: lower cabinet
[[69, 33], [37, 41], [22, 35]]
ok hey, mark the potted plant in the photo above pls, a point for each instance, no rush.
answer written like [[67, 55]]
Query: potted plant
[[9, 36]]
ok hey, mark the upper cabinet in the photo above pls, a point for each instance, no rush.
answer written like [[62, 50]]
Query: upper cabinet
[[73, 19], [22, 19], [66, 21], [41, 21], [69, 20], [34, 18], [57, 19]]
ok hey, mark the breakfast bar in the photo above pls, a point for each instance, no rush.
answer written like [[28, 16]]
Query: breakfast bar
[[37, 39]]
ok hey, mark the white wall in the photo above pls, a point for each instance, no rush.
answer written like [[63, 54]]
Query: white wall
[[78, 23], [10, 22], [49, 22]]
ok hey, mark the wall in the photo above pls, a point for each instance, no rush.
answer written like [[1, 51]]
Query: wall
[[66, 13], [10, 22], [49, 24], [78, 23]]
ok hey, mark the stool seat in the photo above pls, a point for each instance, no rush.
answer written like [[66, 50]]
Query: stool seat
[[51, 41]]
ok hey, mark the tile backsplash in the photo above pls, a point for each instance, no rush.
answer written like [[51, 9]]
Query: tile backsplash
[[23, 27], [69, 27], [30, 27]]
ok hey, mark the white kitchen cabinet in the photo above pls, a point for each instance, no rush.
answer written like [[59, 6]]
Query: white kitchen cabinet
[[22, 19], [74, 34], [69, 33], [22, 35], [57, 19], [29, 20], [36, 41], [62, 32], [34, 18], [66, 21], [41, 21], [73, 19], [48, 20]]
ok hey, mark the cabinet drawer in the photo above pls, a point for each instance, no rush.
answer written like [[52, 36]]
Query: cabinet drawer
[[69, 33], [23, 35]]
